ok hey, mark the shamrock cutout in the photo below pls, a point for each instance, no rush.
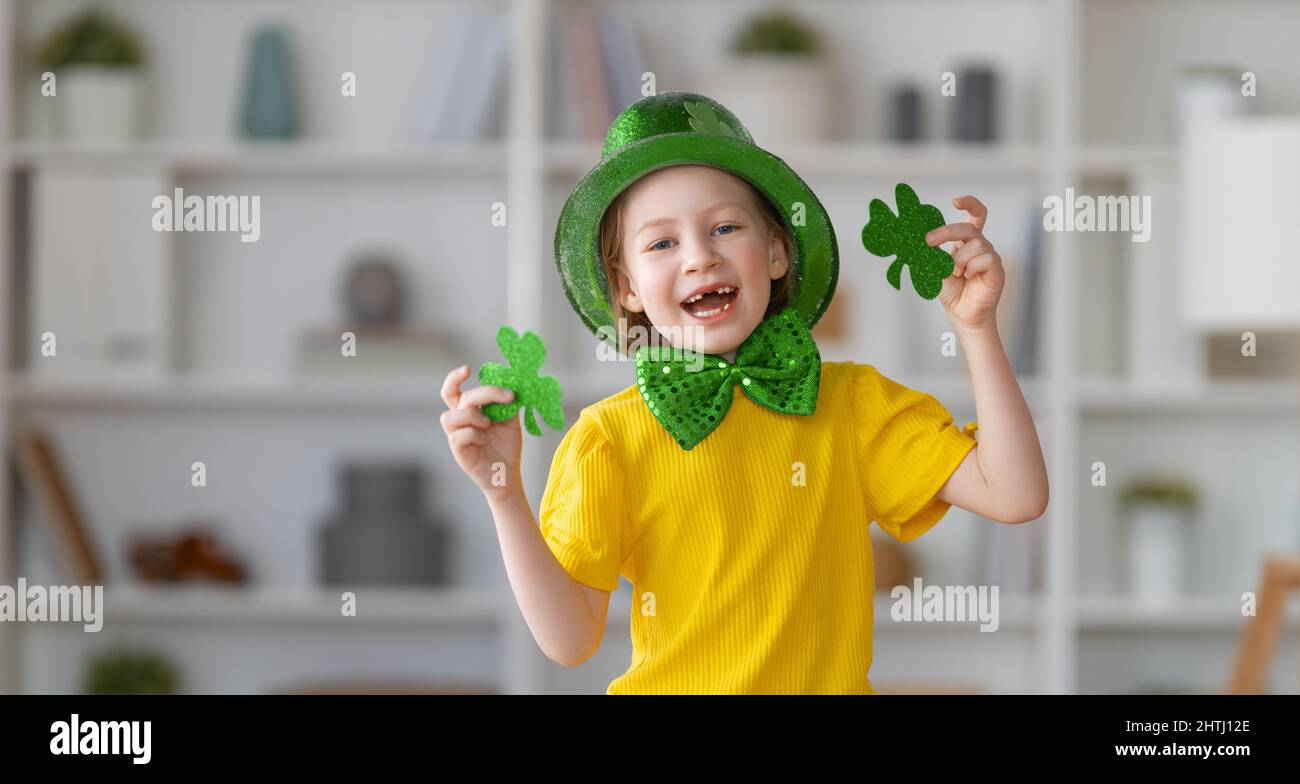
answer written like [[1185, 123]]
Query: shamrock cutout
[[705, 120], [532, 392], [904, 236]]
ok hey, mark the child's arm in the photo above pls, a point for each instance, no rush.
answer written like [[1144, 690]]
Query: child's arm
[[1004, 477], [565, 617]]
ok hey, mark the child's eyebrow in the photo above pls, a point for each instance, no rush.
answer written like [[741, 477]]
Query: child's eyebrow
[[652, 224], [722, 205]]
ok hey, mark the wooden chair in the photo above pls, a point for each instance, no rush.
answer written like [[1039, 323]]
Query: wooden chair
[[1259, 638]]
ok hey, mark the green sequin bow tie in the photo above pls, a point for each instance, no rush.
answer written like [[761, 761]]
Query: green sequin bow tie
[[777, 366]]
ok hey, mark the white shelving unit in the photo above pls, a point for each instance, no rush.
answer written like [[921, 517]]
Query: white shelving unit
[[278, 158], [1060, 49]]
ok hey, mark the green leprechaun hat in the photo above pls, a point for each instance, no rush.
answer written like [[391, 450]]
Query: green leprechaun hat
[[674, 128]]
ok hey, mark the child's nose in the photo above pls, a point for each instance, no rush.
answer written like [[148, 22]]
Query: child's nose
[[700, 255]]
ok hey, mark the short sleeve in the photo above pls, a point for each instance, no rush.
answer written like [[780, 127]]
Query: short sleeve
[[908, 447], [582, 514]]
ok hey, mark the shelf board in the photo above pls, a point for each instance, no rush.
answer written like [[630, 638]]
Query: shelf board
[[1102, 396], [1127, 160], [284, 158], [1022, 613], [856, 160], [571, 159], [380, 604], [1112, 614], [419, 394], [398, 395]]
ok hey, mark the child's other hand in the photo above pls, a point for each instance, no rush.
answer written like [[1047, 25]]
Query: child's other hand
[[970, 294], [485, 450]]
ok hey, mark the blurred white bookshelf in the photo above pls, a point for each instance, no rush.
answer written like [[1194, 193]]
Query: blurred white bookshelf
[[1127, 161], [374, 605], [273, 157], [1084, 127], [308, 396], [1272, 398], [1115, 614]]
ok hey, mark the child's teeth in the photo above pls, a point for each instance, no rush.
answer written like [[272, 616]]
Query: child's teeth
[[707, 313], [723, 290]]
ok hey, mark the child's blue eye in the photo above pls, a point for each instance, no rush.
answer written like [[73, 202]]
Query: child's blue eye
[[657, 245], [726, 226]]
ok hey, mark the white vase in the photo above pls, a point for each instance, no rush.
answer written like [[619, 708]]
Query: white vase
[[1206, 96], [99, 104], [777, 98], [1157, 553]]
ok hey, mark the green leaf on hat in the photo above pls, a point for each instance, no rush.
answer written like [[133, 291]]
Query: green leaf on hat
[[532, 392], [704, 120], [904, 236]]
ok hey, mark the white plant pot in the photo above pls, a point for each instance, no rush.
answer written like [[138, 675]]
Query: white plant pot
[[1207, 97], [1157, 553], [99, 104], [778, 98]]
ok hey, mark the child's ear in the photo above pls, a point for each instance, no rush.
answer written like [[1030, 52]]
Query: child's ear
[[631, 300], [780, 263]]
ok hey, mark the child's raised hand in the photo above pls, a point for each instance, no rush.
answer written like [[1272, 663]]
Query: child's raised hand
[[485, 450], [970, 294]]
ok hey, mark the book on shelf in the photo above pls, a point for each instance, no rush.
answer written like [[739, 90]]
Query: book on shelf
[[622, 55], [462, 88], [1012, 556], [597, 71], [1024, 343], [595, 109], [43, 474], [100, 279], [379, 352]]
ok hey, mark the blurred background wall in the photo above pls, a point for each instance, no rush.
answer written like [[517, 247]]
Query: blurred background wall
[[235, 474]]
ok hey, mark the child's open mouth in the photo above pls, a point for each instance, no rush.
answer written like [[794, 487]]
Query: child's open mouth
[[711, 305]]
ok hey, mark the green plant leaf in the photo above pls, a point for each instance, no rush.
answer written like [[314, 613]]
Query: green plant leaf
[[92, 36]]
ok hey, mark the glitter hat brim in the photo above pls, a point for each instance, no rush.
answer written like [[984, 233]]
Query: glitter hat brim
[[577, 233]]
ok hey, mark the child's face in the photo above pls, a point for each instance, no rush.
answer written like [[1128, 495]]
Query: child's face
[[693, 228]]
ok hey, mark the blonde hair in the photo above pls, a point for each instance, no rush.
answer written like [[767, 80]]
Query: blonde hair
[[611, 253]]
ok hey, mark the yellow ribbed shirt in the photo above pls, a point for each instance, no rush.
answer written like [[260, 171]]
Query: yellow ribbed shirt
[[749, 555]]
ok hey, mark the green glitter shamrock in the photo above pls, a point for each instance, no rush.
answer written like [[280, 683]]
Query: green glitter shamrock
[[704, 120], [532, 392], [904, 236]]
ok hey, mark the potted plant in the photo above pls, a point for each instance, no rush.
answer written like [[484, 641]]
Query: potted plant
[[1159, 511], [97, 63], [131, 672], [775, 76]]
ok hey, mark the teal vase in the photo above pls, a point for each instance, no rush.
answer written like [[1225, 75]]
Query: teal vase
[[270, 106]]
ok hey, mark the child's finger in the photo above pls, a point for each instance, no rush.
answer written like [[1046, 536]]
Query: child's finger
[[464, 437], [980, 264], [952, 231], [970, 250], [470, 416], [974, 208], [451, 385], [486, 394]]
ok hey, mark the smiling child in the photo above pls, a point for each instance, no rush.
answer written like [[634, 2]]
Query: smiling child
[[734, 483]]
